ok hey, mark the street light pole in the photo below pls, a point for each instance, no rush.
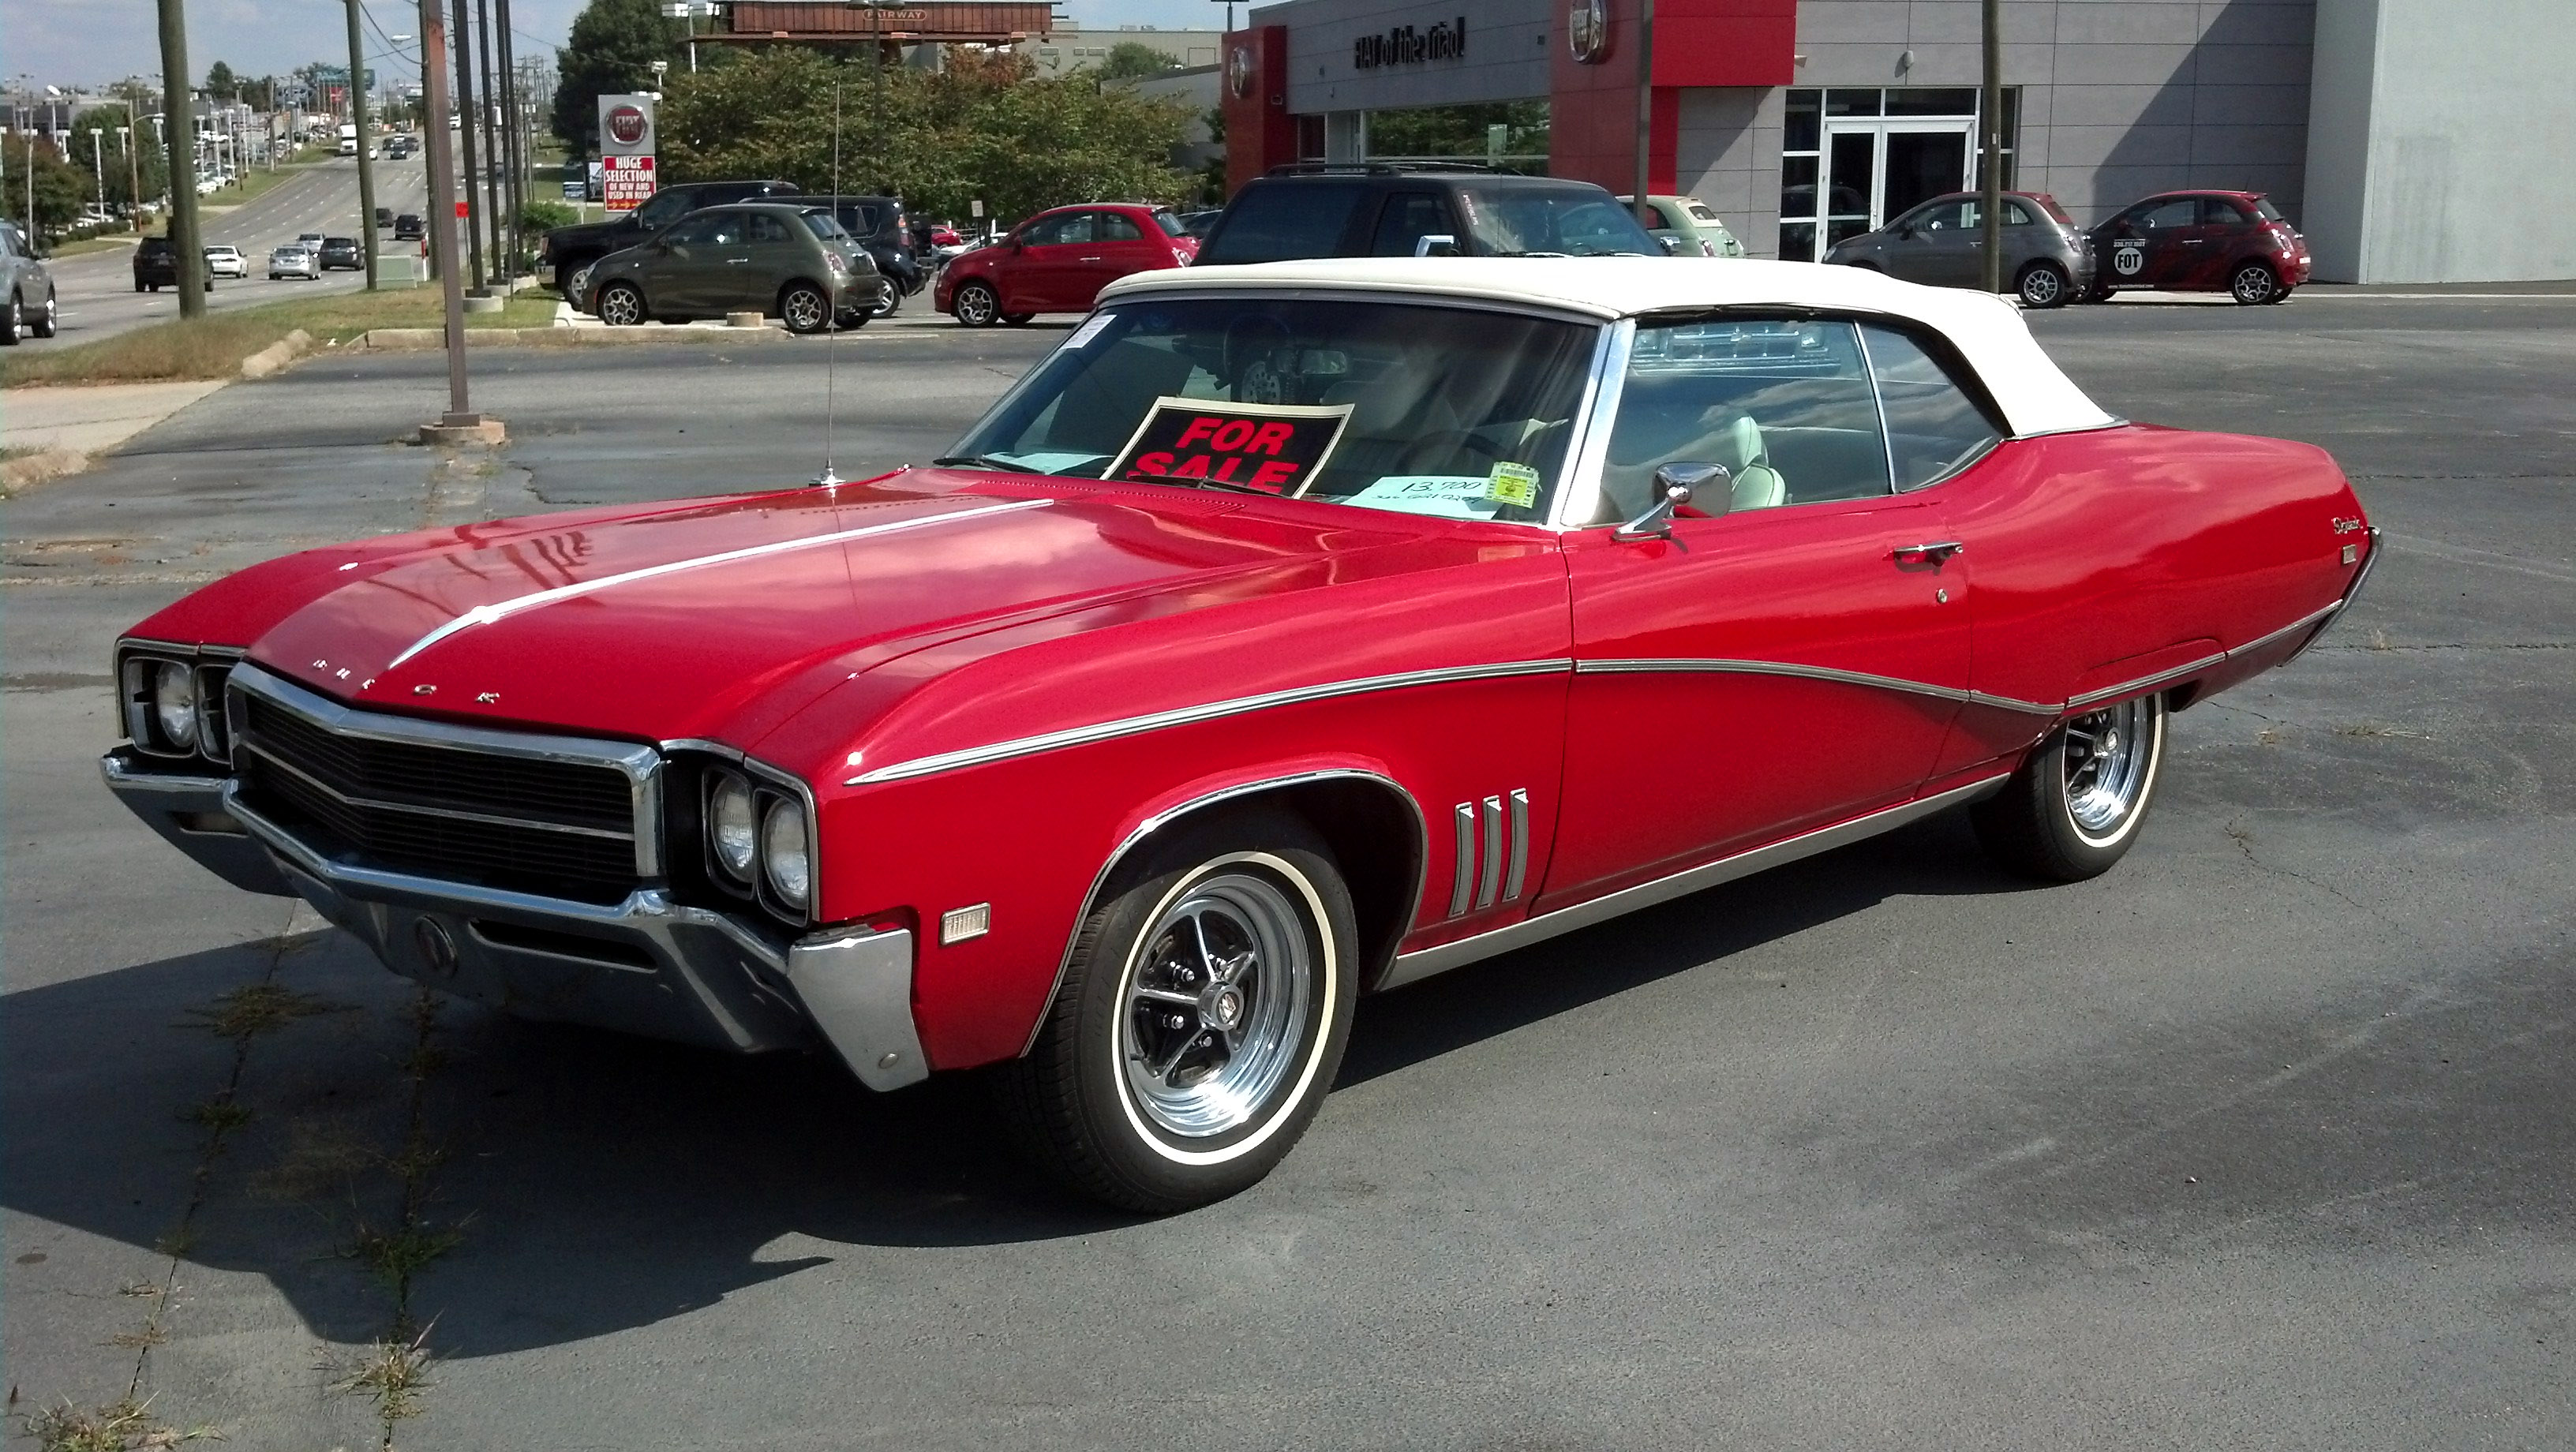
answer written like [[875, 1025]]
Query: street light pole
[[1990, 134], [465, 136], [484, 116], [442, 212], [98, 163], [189, 258], [1645, 110], [366, 162]]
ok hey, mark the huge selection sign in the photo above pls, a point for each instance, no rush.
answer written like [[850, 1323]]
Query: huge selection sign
[[1268, 448], [1403, 45], [626, 144]]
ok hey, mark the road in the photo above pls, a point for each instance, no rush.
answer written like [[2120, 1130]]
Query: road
[[96, 289], [2262, 1139]]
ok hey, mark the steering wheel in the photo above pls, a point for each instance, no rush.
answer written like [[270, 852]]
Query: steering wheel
[[1437, 448]]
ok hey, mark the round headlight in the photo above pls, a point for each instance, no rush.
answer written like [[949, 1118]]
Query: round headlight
[[783, 853], [174, 704], [733, 827]]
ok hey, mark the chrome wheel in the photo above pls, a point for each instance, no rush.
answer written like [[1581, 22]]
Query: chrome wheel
[[621, 306], [1216, 1001], [2253, 284], [579, 286], [976, 306], [804, 310], [888, 299], [2043, 286], [2106, 763]]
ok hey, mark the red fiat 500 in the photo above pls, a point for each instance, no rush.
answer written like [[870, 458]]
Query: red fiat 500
[[2231, 242], [1058, 261]]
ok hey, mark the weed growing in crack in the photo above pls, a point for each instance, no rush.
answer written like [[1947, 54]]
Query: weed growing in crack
[[259, 1008], [395, 1256], [219, 1115], [175, 1242], [392, 1374], [2370, 731], [120, 1426], [150, 1334]]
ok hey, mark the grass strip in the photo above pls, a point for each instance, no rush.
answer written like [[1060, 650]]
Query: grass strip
[[214, 346]]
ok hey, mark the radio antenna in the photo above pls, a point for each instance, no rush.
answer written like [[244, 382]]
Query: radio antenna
[[832, 305]]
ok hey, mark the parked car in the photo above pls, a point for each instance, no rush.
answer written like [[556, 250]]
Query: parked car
[[409, 228], [312, 240], [341, 252], [2048, 260], [1688, 228], [767, 257], [2231, 242], [1059, 260], [1199, 223], [294, 259], [1289, 633], [878, 225], [156, 266], [32, 309], [567, 250], [225, 260], [384, 218], [1392, 210]]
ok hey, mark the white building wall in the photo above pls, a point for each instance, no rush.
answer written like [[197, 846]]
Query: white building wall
[[2441, 139]]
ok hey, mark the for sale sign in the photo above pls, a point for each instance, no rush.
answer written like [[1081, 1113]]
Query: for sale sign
[[625, 182], [1268, 448]]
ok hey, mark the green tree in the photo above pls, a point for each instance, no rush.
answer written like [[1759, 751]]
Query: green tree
[[221, 83], [981, 129], [111, 150], [613, 46], [1133, 60], [60, 188]]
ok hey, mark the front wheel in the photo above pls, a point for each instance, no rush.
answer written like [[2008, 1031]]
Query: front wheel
[[1018, 320], [2253, 285], [975, 306], [1200, 1021], [2075, 805], [804, 308], [621, 305], [2043, 285], [50, 320], [889, 299], [11, 322]]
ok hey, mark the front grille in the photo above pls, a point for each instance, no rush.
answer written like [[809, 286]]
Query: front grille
[[554, 828]]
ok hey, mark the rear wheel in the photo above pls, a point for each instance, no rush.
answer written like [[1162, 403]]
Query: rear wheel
[[2253, 285], [804, 308], [2075, 805], [1018, 320], [2281, 294], [889, 299], [2042, 285], [975, 306], [621, 305], [11, 322], [1200, 1020], [50, 318]]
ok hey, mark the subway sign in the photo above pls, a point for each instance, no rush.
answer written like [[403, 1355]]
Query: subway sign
[[1403, 45]]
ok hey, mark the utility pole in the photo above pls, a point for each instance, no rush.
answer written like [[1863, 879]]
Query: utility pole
[[484, 115], [1645, 110], [465, 135], [430, 61], [1990, 135], [98, 161], [460, 423], [516, 192], [366, 162], [186, 252]]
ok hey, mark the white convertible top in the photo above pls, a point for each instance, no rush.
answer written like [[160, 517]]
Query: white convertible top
[[2036, 398]]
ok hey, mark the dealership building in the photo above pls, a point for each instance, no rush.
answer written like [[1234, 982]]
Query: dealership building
[[2410, 140]]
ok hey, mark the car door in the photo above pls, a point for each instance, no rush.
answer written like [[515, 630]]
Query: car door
[[1121, 244], [681, 271], [1045, 274], [2229, 231], [1933, 244], [770, 258], [2148, 245], [1793, 661]]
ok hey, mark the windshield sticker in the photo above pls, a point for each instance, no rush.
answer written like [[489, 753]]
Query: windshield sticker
[[1446, 496], [1512, 484], [1269, 448], [1089, 330]]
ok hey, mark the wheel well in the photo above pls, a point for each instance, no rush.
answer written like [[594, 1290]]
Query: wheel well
[[2051, 263], [793, 283], [2265, 263]]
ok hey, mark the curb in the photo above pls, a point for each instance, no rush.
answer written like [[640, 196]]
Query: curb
[[36, 468], [277, 355], [422, 340]]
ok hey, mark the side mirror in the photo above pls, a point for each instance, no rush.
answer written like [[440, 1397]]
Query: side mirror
[[1435, 244], [1676, 484], [1672, 246], [1906, 232]]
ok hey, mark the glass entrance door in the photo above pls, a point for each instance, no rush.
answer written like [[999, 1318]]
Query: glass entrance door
[[1879, 168]]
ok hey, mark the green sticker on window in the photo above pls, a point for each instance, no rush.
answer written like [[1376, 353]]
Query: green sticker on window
[[1512, 484]]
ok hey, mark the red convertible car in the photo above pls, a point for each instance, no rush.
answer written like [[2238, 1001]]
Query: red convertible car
[[1288, 634]]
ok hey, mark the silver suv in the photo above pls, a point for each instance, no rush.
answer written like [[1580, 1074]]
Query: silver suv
[[31, 289], [2048, 260]]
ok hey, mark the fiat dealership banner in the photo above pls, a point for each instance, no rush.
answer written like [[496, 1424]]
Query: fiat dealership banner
[[626, 144]]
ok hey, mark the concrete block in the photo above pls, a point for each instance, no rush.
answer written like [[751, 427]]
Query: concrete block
[[484, 304], [484, 432], [743, 320]]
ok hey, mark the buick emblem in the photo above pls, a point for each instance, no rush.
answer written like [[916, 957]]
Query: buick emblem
[[437, 950], [1587, 30], [1238, 70], [626, 125]]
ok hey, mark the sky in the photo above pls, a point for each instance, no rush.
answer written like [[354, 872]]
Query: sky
[[67, 42]]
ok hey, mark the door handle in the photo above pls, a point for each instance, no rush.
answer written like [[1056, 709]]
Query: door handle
[[1934, 554], [1086, 259]]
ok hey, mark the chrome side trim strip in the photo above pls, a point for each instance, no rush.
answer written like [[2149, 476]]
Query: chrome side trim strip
[[1683, 665], [1489, 877], [1191, 715], [2131, 687], [1164, 818], [1464, 885], [1517, 876], [377, 804], [2351, 592], [501, 609], [1413, 967]]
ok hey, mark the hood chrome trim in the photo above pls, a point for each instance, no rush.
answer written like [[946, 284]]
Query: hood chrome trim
[[487, 613]]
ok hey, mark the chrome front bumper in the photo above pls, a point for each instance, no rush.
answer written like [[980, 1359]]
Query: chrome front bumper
[[646, 965]]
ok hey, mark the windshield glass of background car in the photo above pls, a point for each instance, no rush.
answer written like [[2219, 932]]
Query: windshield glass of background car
[[1284, 220], [1574, 221], [1456, 412], [822, 225], [1170, 224], [662, 210]]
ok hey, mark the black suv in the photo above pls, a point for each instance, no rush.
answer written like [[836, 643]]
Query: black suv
[[342, 252], [1386, 209], [883, 232], [156, 266], [570, 249]]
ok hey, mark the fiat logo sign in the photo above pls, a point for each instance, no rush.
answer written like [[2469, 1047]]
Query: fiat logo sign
[[1238, 70], [1587, 30], [626, 125]]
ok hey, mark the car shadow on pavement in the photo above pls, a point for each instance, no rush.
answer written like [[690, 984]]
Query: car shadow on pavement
[[585, 1183]]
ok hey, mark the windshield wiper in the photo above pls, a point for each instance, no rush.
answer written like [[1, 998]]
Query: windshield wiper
[[982, 461]]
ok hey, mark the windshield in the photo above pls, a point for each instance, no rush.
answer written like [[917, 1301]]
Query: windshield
[[1420, 409], [822, 225], [1172, 226], [2269, 212], [1569, 221]]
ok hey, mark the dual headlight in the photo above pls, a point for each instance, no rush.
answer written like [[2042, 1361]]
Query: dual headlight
[[174, 705], [758, 840]]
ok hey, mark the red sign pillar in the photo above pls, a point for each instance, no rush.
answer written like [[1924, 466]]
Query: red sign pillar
[[1259, 132], [1592, 115]]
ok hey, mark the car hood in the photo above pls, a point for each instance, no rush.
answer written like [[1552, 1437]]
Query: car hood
[[611, 235], [720, 620]]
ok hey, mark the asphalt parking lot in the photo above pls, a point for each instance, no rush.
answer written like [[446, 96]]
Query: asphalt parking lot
[[2263, 1139]]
